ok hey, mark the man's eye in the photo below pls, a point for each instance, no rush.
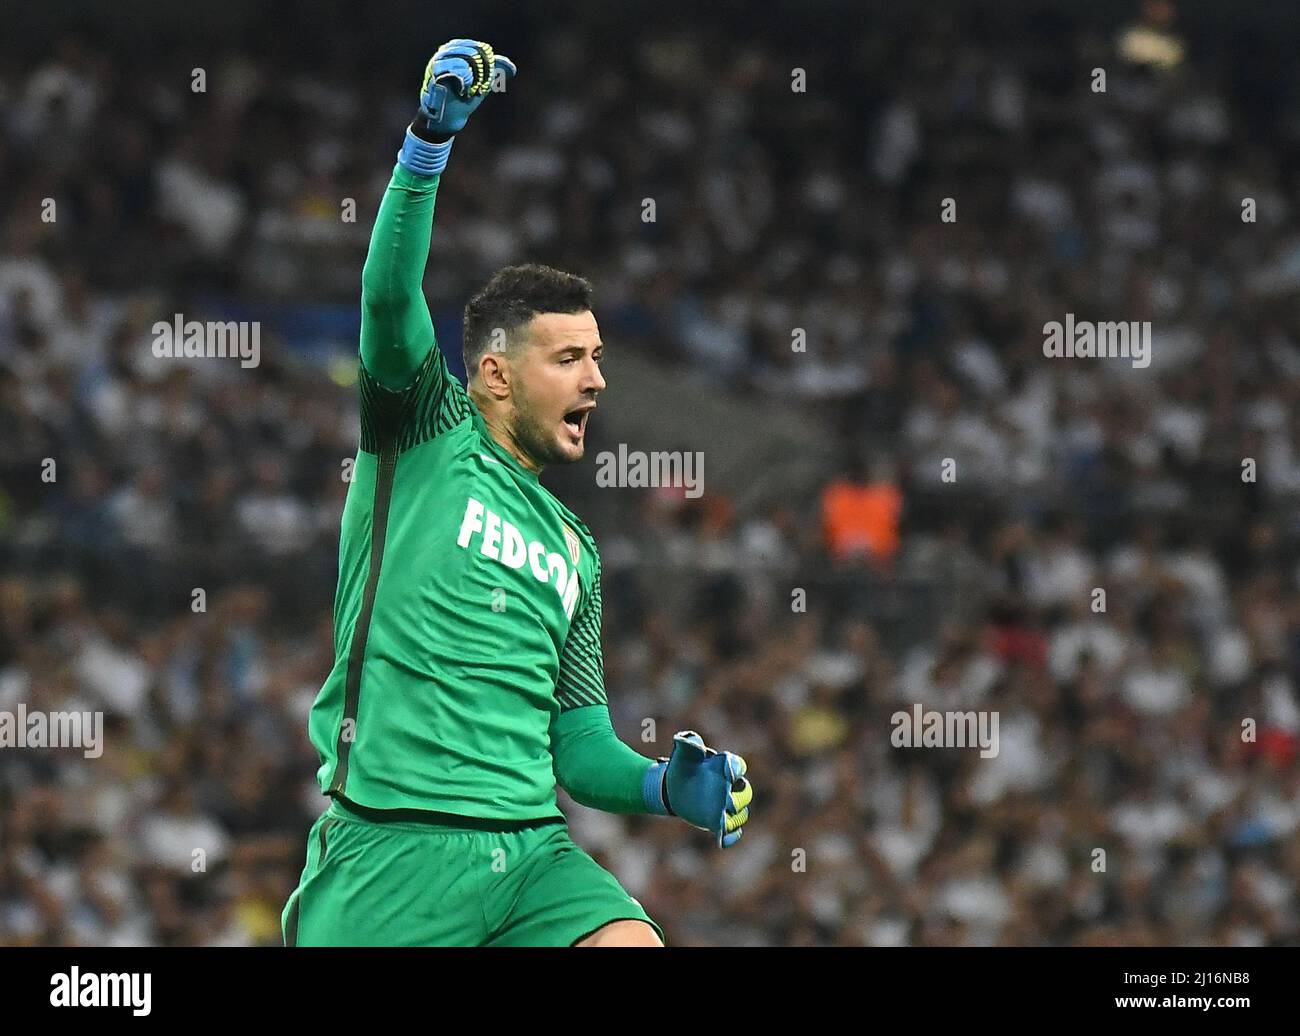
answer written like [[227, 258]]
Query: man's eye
[[567, 360]]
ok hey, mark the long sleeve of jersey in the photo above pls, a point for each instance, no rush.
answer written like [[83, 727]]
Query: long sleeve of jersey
[[407, 393], [396, 328], [593, 765]]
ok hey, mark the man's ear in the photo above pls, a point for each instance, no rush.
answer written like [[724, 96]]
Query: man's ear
[[494, 374]]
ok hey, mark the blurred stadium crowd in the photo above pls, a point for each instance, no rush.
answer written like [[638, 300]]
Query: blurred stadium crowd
[[1171, 488]]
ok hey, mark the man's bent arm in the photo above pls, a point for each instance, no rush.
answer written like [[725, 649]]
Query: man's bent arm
[[595, 767], [590, 761]]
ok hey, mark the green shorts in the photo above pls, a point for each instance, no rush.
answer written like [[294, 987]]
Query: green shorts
[[408, 882]]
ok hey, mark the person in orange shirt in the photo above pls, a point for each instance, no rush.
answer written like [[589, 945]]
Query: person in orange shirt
[[860, 515]]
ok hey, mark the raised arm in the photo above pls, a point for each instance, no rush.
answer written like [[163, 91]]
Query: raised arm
[[396, 329]]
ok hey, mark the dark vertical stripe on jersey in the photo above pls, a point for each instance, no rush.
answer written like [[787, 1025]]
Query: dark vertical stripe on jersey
[[392, 422], [361, 632]]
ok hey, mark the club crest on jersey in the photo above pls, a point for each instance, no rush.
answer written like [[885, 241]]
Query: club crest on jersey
[[571, 538], [505, 544]]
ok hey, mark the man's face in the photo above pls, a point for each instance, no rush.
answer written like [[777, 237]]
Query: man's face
[[555, 379]]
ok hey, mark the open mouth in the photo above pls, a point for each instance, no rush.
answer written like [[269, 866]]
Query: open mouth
[[576, 420]]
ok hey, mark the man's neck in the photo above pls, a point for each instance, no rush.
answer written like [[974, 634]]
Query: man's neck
[[504, 437]]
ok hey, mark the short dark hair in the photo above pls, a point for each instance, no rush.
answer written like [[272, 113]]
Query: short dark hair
[[513, 297]]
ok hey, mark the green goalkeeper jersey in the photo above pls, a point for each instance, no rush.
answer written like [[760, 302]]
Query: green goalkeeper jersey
[[467, 615]]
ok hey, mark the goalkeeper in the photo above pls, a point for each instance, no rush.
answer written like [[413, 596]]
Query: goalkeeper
[[468, 679]]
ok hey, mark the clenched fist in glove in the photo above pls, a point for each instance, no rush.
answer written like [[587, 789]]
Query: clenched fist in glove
[[456, 80], [704, 787]]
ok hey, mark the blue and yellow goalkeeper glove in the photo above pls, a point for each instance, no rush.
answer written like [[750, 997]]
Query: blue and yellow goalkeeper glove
[[456, 80], [704, 787]]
